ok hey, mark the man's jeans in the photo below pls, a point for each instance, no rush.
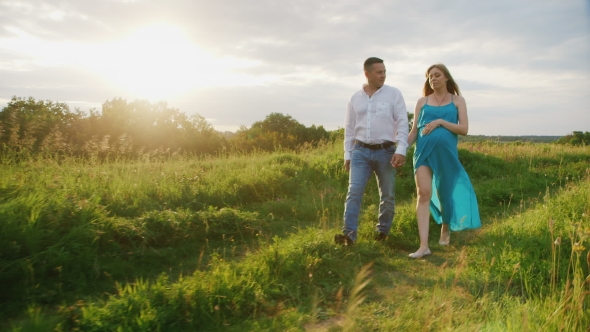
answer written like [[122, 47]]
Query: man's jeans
[[363, 162]]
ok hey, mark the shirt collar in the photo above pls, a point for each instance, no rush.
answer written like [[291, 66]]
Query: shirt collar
[[365, 92]]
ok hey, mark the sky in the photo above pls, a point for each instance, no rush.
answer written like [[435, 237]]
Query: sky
[[523, 66]]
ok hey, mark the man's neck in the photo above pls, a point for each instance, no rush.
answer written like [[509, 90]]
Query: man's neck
[[370, 90]]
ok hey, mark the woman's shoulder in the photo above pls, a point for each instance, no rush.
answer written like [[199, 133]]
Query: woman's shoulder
[[459, 102], [458, 99], [422, 100]]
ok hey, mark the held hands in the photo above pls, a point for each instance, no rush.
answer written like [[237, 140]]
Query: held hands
[[398, 160], [431, 126]]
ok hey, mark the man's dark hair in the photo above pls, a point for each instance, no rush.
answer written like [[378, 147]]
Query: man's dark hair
[[370, 61]]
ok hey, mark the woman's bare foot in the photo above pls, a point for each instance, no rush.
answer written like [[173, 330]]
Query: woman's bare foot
[[445, 235], [420, 253]]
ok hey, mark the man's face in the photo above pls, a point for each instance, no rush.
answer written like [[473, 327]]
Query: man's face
[[376, 75]]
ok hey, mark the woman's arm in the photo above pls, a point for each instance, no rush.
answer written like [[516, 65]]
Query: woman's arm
[[414, 132]]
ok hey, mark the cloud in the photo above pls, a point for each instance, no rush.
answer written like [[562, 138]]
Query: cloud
[[513, 60]]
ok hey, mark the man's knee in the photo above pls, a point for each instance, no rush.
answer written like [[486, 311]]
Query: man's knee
[[355, 188], [388, 204]]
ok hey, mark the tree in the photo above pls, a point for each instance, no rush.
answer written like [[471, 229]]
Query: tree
[[155, 126], [122, 128], [26, 123], [277, 131], [410, 119], [575, 138]]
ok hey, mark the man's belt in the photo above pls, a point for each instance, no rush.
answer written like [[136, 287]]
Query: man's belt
[[375, 146]]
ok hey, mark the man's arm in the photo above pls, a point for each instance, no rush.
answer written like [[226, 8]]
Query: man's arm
[[400, 118], [349, 125]]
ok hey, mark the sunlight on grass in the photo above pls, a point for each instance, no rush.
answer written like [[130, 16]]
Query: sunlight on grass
[[244, 242]]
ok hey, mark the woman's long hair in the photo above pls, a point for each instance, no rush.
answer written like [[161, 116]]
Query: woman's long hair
[[452, 87]]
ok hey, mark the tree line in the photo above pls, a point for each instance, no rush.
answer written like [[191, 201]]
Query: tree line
[[138, 128], [576, 138]]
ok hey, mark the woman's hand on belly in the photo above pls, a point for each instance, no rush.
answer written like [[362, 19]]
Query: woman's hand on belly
[[430, 127]]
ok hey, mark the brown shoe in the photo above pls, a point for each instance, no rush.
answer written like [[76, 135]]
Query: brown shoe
[[343, 239], [380, 237]]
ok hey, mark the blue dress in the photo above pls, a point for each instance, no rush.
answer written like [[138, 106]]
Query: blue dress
[[453, 198]]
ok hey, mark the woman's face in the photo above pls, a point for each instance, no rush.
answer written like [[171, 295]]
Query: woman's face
[[436, 78]]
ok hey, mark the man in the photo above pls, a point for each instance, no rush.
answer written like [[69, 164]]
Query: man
[[375, 140]]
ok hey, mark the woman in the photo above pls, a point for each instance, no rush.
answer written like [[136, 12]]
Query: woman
[[439, 117]]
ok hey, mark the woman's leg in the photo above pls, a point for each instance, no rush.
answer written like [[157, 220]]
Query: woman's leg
[[445, 235], [423, 178]]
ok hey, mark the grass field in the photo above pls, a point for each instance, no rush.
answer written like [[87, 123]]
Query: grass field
[[245, 243]]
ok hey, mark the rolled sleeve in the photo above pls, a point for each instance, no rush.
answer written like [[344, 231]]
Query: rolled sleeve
[[401, 148], [349, 125], [400, 116]]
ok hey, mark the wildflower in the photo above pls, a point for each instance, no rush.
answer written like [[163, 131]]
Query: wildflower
[[578, 247], [557, 241]]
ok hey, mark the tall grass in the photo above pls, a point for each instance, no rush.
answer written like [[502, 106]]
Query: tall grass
[[244, 242]]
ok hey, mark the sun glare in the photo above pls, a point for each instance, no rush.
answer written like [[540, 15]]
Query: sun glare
[[156, 62], [159, 61]]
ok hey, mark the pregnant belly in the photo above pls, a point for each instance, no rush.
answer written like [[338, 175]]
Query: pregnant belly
[[439, 136]]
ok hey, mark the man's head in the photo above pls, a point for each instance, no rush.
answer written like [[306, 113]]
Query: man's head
[[375, 72]]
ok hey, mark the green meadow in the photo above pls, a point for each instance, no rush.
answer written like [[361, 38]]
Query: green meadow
[[244, 242]]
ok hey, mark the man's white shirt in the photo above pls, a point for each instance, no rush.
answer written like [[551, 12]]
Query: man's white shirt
[[376, 119]]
